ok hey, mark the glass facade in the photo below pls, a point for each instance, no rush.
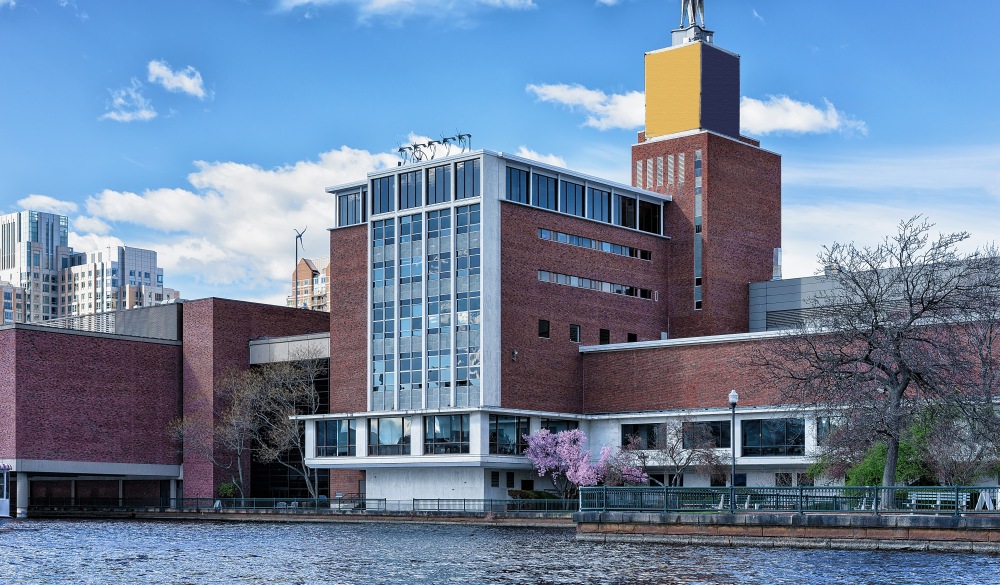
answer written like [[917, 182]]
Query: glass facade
[[545, 195], [517, 185], [439, 308], [351, 209], [336, 438], [446, 434], [409, 190], [439, 184], [507, 434], [468, 314], [389, 436], [383, 325], [467, 179], [411, 311], [774, 437], [383, 194], [708, 434], [599, 205], [571, 199]]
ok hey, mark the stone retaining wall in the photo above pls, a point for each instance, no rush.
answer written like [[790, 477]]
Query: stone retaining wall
[[971, 534]]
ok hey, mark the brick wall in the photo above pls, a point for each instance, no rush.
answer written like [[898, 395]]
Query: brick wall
[[92, 398], [547, 375], [741, 215], [349, 319], [216, 336], [690, 376], [8, 386]]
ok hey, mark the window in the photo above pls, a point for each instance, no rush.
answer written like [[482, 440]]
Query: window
[[649, 217], [351, 212], [510, 480], [707, 435], [383, 194], [389, 436], [495, 479], [599, 245], [589, 283], [605, 337], [554, 425], [507, 434], [825, 426], [632, 338], [641, 436], [545, 192], [574, 333], [336, 438], [446, 434], [599, 205], [783, 480], [467, 179], [571, 199], [409, 190], [439, 184], [517, 185], [625, 211], [773, 437], [543, 328]]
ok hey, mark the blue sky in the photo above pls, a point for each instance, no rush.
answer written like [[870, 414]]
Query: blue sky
[[207, 130]]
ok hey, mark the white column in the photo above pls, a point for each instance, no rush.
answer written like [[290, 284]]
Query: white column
[[22, 494], [173, 493]]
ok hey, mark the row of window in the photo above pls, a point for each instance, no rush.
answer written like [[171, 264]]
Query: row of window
[[411, 192], [443, 434], [604, 336], [769, 437], [572, 198], [598, 285], [593, 244]]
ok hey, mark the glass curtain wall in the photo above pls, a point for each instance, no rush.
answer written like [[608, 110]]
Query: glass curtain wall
[[439, 306], [383, 314], [411, 312], [468, 357]]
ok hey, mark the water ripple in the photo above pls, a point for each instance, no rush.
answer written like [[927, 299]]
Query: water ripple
[[37, 551]]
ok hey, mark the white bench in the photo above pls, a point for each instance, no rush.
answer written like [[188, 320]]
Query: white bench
[[922, 500]]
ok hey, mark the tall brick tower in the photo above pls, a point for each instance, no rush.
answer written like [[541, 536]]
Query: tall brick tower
[[725, 219]]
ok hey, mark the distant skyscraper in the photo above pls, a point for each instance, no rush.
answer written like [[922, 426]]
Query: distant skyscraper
[[312, 288], [47, 279]]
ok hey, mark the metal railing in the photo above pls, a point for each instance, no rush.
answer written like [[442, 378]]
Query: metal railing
[[334, 505], [873, 500]]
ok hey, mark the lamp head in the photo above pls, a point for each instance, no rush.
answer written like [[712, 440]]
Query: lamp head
[[733, 398]]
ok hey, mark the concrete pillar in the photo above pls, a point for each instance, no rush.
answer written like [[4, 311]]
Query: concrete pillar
[[173, 493], [22, 494], [72, 492]]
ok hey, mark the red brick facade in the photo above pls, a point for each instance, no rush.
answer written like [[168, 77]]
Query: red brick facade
[[546, 375], [678, 377], [87, 398], [741, 213], [216, 337], [349, 319]]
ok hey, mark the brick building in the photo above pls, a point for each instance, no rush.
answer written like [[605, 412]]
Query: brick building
[[480, 297]]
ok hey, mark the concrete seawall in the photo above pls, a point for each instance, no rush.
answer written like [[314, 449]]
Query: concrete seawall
[[966, 534]]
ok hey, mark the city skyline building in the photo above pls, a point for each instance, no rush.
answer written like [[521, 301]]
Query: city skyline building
[[310, 282], [55, 281]]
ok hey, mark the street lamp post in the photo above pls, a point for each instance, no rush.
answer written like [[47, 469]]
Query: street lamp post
[[733, 399]]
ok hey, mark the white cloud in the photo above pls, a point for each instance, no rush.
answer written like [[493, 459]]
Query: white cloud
[[604, 111], [92, 242], [90, 225], [627, 111], [8, 3], [609, 2], [549, 159], [781, 113], [128, 104], [757, 16], [404, 8], [187, 80], [47, 204], [234, 225]]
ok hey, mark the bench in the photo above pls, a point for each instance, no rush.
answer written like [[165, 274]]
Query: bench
[[922, 500]]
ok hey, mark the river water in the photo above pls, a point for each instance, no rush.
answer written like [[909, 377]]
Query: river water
[[134, 552]]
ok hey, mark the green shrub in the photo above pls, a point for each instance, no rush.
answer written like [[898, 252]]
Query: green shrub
[[228, 490]]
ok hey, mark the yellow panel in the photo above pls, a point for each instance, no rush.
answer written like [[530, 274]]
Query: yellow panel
[[673, 90]]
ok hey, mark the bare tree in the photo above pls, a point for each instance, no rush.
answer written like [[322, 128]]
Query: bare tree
[[225, 439], [905, 323], [252, 417], [678, 447], [281, 391]]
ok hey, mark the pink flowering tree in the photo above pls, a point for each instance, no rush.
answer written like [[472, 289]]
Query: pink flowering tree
[[564, 457]]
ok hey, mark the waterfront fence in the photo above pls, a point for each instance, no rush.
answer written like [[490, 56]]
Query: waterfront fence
[[348, 504], [873, 500]]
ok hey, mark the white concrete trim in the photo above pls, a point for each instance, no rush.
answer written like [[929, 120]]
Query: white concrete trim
[[687, 341], [94, 468]]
